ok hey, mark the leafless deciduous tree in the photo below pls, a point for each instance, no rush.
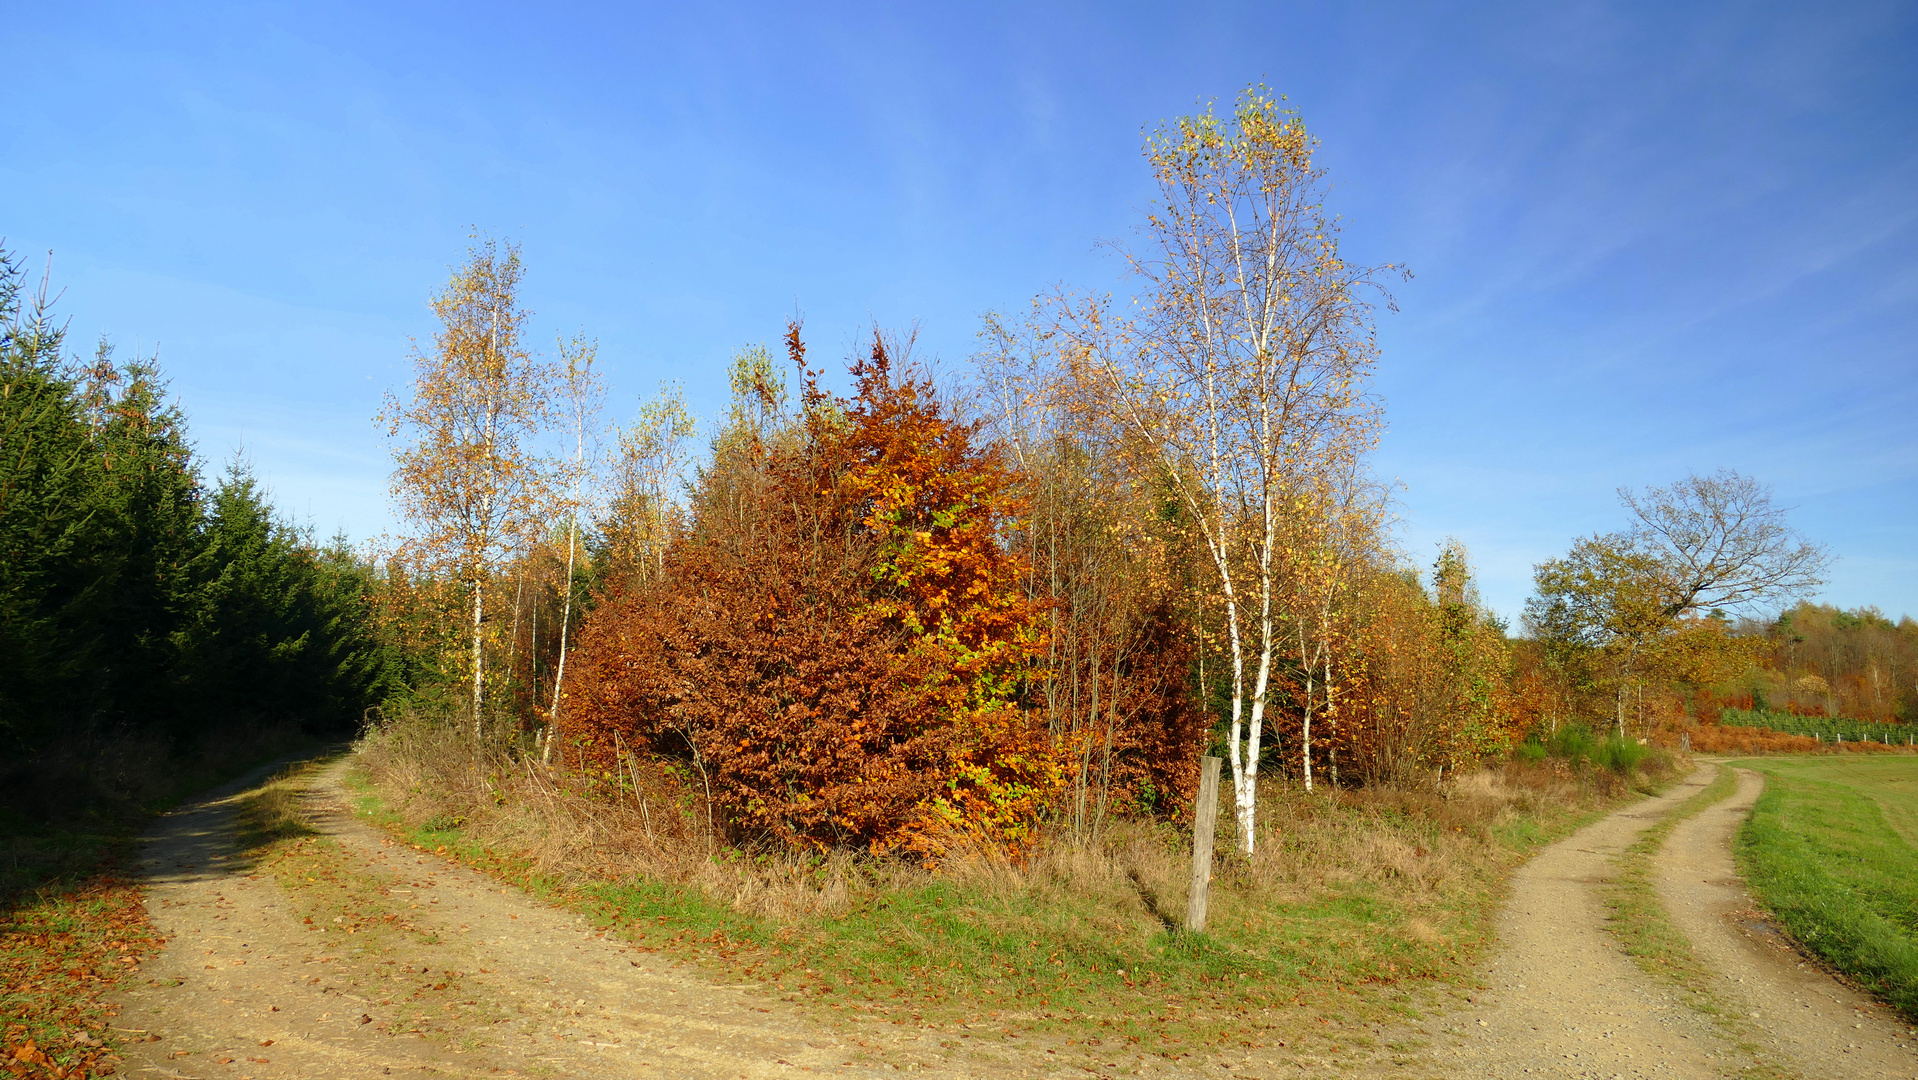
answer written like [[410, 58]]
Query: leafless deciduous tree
[[1720, 543]]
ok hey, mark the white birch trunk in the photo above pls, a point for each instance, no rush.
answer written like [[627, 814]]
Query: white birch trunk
[[479, 656], [1305, 724], [559, 676]]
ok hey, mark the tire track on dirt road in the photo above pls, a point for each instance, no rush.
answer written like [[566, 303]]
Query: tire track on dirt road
[[247, 989], [1561, 998], [1825, 1028]]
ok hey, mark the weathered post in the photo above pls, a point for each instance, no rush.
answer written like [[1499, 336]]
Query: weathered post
[[1205, 820]]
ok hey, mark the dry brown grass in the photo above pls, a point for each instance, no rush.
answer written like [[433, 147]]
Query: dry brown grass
[[1718, 739], [1421, 840], [1357, 903], [577, 829]]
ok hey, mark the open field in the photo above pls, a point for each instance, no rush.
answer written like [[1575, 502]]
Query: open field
[[1832, 850]]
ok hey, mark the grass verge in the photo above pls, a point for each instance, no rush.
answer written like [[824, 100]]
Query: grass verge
[[1825, 852], [1360, 908], [1639, 920]]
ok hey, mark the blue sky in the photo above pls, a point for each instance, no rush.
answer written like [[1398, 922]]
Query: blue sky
[[1648, 239]]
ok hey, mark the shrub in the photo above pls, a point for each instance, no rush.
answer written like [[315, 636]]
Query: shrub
[[1620, 754], [1574, 743], [838, 645]]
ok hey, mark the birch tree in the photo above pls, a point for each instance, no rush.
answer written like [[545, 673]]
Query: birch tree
[[1246, 368], [649, 454], [468, 472], [583, 393]]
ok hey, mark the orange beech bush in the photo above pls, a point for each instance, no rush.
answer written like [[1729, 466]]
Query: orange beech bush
[[837, 646]]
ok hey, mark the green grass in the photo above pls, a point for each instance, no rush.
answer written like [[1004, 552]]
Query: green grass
[[1640, 921], [1830, 851], [41, 857], [1019, 962]]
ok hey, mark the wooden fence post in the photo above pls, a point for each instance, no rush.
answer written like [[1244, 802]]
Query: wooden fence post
[[1205, 820]]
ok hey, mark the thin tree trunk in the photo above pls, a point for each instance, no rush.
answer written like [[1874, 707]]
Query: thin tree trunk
[[479, 657], [1305, 726], [1331, 717], [566, 618], [519, 600]]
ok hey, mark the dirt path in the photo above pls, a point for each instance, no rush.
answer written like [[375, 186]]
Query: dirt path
[[492, 981], [482, 980], [1825, 1028], [1562, 998]]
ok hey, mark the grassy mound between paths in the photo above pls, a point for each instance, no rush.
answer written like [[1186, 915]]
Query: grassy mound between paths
[[1360, 910], [1829, 849]]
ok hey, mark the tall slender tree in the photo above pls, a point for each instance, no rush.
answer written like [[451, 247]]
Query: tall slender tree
[[1247, 369], [583, 394], [468, 471]]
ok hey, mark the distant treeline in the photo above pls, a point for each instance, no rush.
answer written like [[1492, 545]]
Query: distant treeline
[[1819, 660], [145, 615]]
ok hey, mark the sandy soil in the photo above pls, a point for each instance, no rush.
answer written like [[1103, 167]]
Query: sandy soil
[[495, 983], [246, 989]]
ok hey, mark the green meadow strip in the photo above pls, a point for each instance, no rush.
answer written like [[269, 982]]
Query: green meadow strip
[[1640, 921], [1823, 858]]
